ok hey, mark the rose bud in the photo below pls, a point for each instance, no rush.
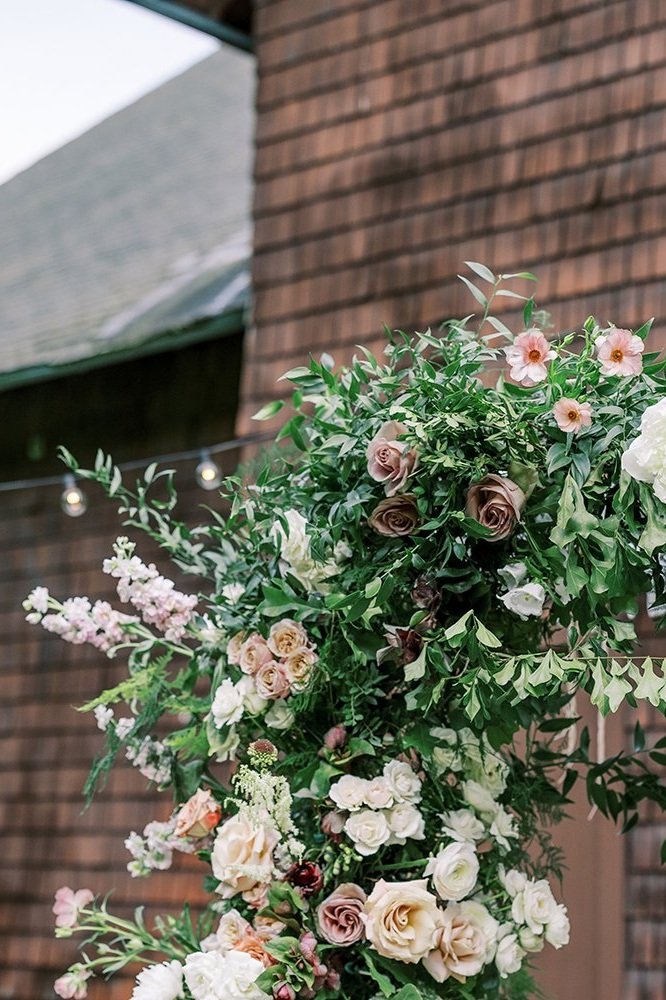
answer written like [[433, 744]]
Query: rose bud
[[306, 877], [407, 641], [332, 824], [335, 738], [396, 516], [200, 814], [426, 595], [496, 503], [283, 991]]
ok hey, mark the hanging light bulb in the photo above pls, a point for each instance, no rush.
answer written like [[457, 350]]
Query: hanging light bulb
[[72, 499], [208, 472]]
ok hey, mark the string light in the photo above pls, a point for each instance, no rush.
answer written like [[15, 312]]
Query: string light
[[72, 499], [208, 473]]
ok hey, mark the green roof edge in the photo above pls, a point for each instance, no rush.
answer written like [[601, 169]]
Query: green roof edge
[[201, 22], [227, 324]]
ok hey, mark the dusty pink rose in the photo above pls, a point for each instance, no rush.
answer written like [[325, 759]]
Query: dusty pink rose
[[390, 461], [234, 648], [340, 915], [527, 357], [253, 653], [73, 985], [497, 503], [396, 516], [68, 904], [198, 816], [619, 353], [571, 416], [272, 681], [283, 991], [461, 947]]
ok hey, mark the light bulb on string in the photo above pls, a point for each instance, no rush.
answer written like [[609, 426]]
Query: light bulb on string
[[72, 499], [208, 472]]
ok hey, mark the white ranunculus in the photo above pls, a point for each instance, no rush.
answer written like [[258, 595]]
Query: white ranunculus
[[214, 976], [645, 458], [252, 700], [233, 592], [462, 825], [454, 871], [488, 768], [525, 601], [530, 941], [378, 794], [159, 982], [480, 799], [406, 823], [349, 792], [558, 927], [513, 575], [503, 828], [512, 880], [279, 715], [509, 955], [228, 704], [446, 759], [369, 830], [405, 785], [535, 906]]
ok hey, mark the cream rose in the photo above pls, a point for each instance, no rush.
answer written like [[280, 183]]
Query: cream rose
[[558, 927], [369, 830], [198, 816], [480, 799], [234, 648], [509, 956], [242, 857], [402, 920], [465, 943], [287, 637], [454, 871], [279, 716], [231, 930], [252, 700], [378, 794], [405, 785], [299, 668], [349, 792], [534, 905]]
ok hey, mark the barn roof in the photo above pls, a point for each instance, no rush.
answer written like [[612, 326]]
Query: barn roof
[[135, 236]]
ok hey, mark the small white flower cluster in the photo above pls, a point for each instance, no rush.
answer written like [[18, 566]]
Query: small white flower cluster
[[524, 598], [645, 458], [78, 621], [382, 810], [154, 850], [296, 553], [536, 913], [266, 802], [214, 975], [151, 757], [154, 597]]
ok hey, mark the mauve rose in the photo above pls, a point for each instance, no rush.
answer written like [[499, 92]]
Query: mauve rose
[[497, 503], [272, 681], [335, 738], [390, 461], [198, 816], [395, 516], [339, 916], [306, 876]]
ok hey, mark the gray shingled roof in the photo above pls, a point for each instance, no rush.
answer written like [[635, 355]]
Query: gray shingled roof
[[138, 228]]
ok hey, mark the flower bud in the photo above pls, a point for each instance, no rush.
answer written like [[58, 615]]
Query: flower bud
[[335, 738], [283, 991]]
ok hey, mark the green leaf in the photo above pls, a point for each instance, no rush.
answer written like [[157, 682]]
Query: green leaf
[[476, 292], [269, 410], [384, 983], [654, 535], [409, 993], [573, 519], [454, 633], [482, 271], [485, 636], [415, 670]]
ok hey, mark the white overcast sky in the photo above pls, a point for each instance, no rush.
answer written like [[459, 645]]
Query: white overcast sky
[[67, 64]]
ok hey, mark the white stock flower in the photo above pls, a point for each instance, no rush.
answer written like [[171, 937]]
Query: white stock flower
[[480, 799], [509, 955], [645, 458], [378, 794], [558, 927], [228, 704], [103, 715], [462, 825], [159, 982], [37, 600], [279, 715], [513, 575], [214, 976], [525, 601], [454, 871], [349, 792], [534, 905], [369, 830], [233, 592], [404, 784], [406, 823]]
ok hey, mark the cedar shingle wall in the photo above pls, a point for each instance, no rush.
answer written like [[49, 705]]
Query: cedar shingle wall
[[397, 139]]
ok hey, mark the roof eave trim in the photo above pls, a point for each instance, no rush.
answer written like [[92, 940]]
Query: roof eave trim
[[193, 19]]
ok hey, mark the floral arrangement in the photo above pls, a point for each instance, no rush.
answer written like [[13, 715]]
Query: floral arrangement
[[369, 715]]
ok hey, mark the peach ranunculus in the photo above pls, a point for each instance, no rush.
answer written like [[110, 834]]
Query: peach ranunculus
[[253, 653], [390, 461], [571, 416], [396, 516], [339, 916], [402, 920], [272, 681], [252, 945], [242, 857], [68, 904], [199, 815], [527, 357], [287, 637], [465, 943], [299, 668], [497, 503], [620, 353], [234, 647]]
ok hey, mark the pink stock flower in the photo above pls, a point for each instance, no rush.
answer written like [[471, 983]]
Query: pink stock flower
[[571, 416], [527, 357], [73, 985], [619, 353], [68, 904]]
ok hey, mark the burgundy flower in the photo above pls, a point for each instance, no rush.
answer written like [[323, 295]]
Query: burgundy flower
[[306, 877]]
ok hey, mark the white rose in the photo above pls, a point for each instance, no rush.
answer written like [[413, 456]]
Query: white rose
[[480, 799], [454, 871], [378, 794], [279, 715], [446, 759], [526, 601], [233, 592], [513, 575], [242, 856], [402, 781], [478, 915], [534, 906], [530, 941], [228, 704], [368, 830], [645, 458], [509, 956], [405, 822], [489, 769], [503, 827], [558, 927], [402, 920], [231, 929], [349, 792], [512, 880], [159, 982], [462, 825], [252, 700]]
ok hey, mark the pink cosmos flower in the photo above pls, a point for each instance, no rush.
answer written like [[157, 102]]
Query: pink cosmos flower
[[527, 357], [68, 904], [619, 353], [571, 416]]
